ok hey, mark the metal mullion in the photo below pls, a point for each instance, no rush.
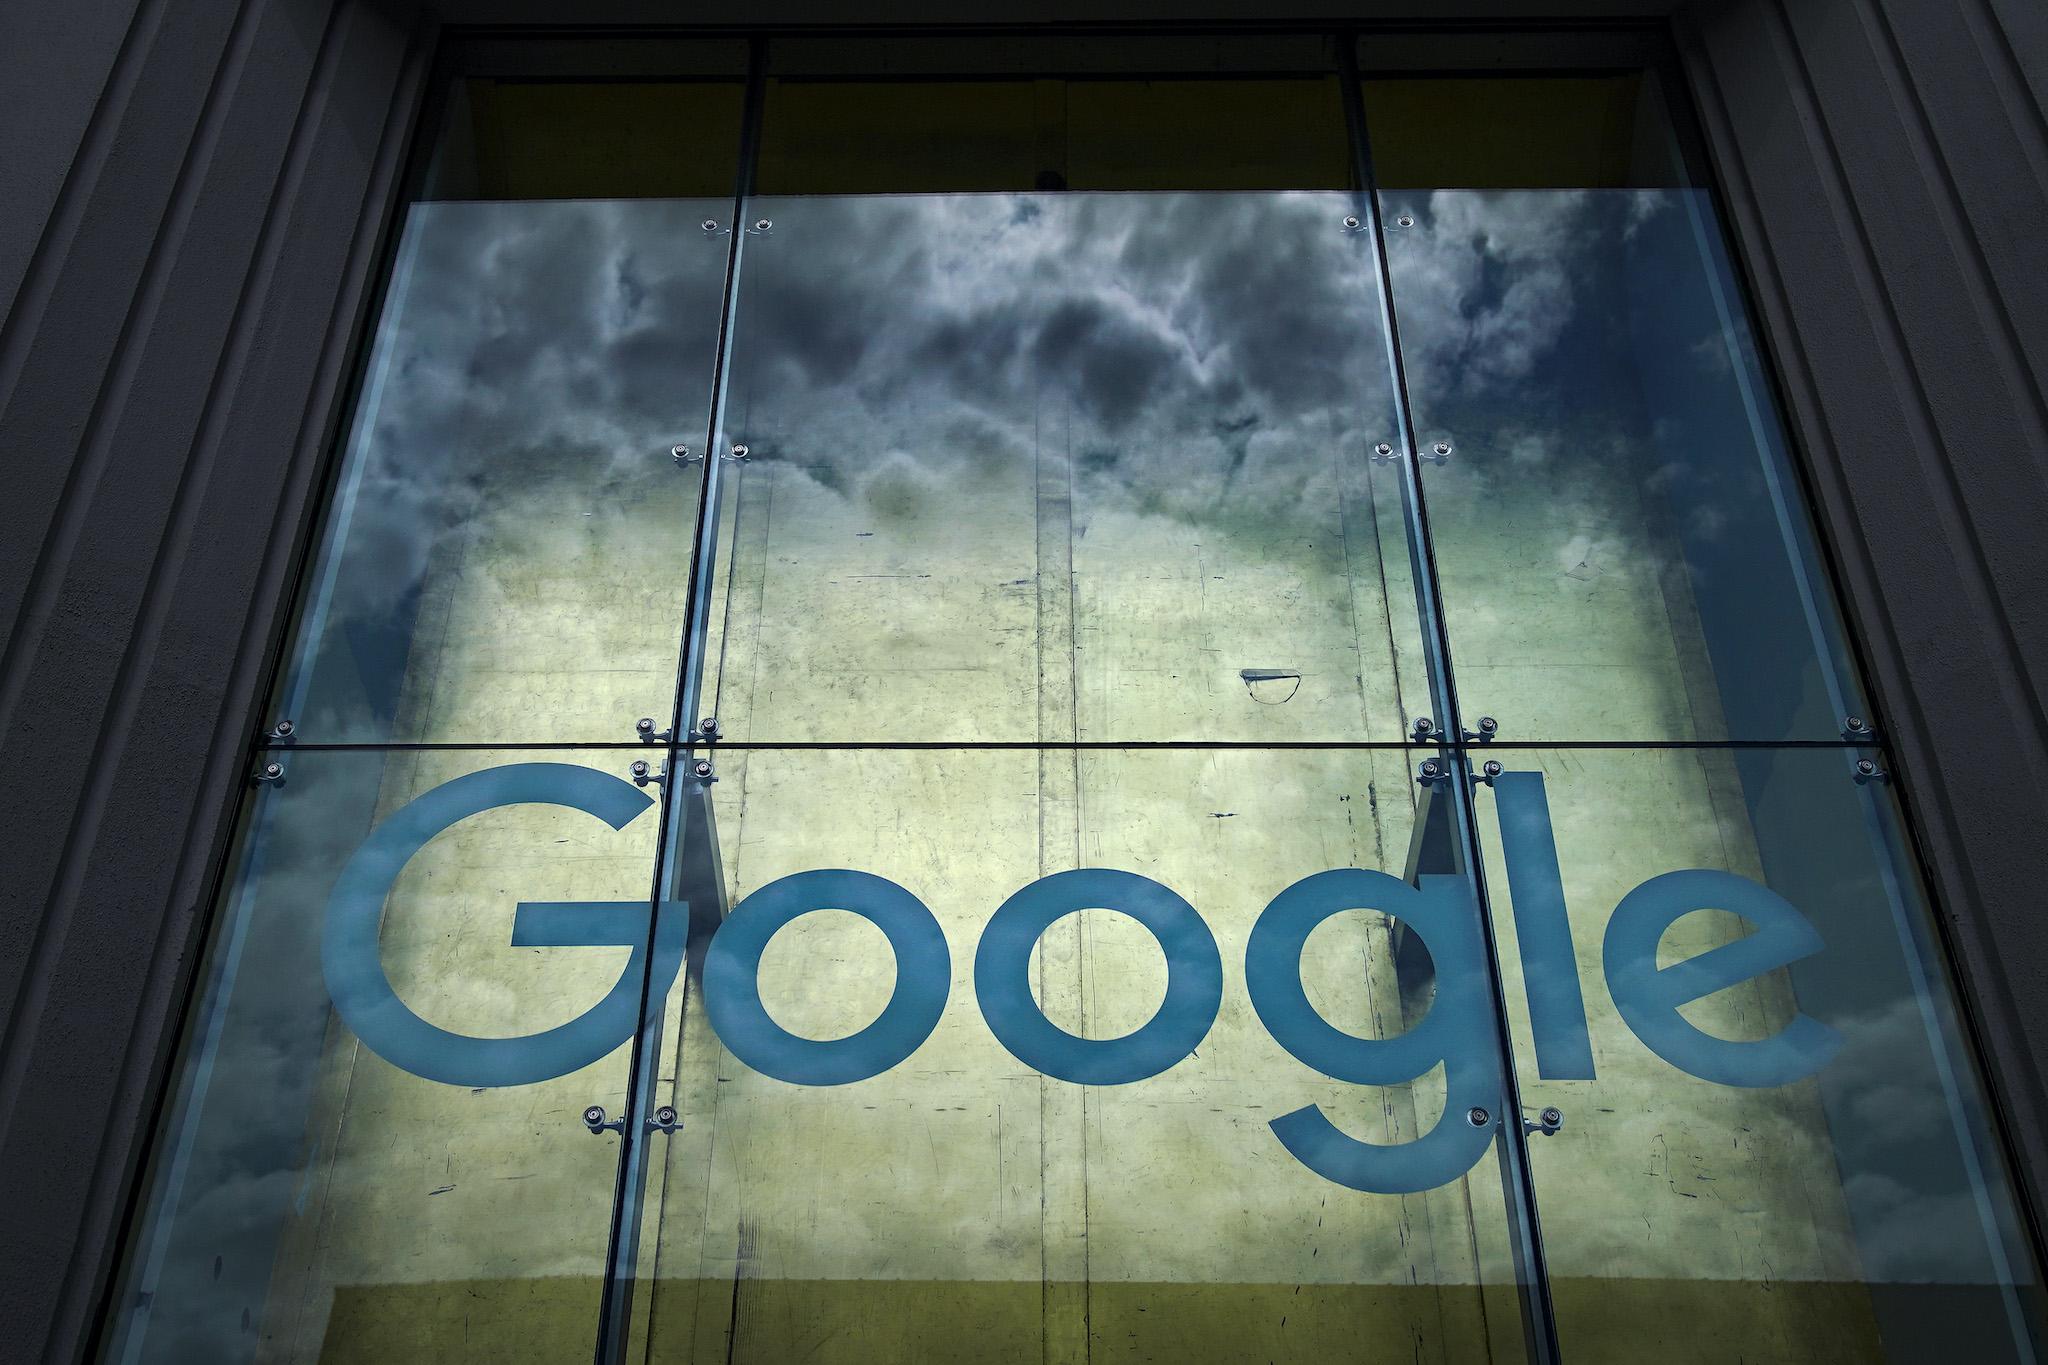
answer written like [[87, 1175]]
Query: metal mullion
[[614, 1327], [1524, 1224]]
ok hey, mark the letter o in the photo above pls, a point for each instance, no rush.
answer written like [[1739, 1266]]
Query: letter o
[[732, 985], [1002, 978]]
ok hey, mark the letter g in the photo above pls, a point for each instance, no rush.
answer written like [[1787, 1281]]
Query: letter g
[[1453, 1032], [351, 962]]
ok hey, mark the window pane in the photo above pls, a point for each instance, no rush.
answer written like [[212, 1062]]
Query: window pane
[[1621, 542], [959, 1202], [1777, 1153], [507, 553], [1032, 467], [365, 1160]]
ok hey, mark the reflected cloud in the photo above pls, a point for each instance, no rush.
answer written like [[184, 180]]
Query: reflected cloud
[[1198, 356]]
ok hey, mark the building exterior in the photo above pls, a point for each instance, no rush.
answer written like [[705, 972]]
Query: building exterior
[[1105, 686]]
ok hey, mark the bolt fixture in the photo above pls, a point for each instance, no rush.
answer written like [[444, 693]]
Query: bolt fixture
[[1478, 1117]]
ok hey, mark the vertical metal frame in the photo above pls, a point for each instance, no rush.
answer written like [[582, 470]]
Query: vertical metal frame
[[1532, 1280], [615, 1315]]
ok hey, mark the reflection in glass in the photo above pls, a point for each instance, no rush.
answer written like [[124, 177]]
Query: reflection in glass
[[312, 1200], [1825, 1190], [963, 1205], [1038, 467], [508, 555], [1622, 548]]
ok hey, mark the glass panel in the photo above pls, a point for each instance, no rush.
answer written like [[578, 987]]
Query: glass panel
[[508, 551], [1035, 1138], [1774, 1147], [1622, 547], [1037, 467], [370, 1155]]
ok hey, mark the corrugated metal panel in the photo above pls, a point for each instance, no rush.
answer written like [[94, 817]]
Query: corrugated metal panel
[[1885, 161], [179, 330]]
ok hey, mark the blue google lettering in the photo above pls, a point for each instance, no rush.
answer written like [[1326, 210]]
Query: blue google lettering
[[1455, 1032]]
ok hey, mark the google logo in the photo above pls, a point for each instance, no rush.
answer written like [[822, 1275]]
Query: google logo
[[1455, 1032]]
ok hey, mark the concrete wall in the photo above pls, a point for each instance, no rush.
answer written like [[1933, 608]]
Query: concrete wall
[[198, 194]]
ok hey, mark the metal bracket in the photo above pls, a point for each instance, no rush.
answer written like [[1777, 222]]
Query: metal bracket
[[1487, 772], [1857, 730], [712, 229], [681, 455], [1438, 453], [1867, 771], [1404, 220], [1432, 771], [761, 228], [1352, 223], [644, 727], [738, 452], [1424, 730], [1546, 1123], [1383, 455], [1488, 728], [664, 1120], [270, 775], [707, 728], [596, 1122], [644, 773], [703, 772], [284, 732], [1478, 1117]]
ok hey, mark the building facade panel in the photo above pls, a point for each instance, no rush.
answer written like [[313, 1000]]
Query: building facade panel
[[194, 325]]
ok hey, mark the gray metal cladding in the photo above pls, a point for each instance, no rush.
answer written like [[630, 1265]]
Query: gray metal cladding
[[202, 235], [1887, 172]]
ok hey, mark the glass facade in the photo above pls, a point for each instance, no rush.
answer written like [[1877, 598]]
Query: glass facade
[[1053, 701]]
